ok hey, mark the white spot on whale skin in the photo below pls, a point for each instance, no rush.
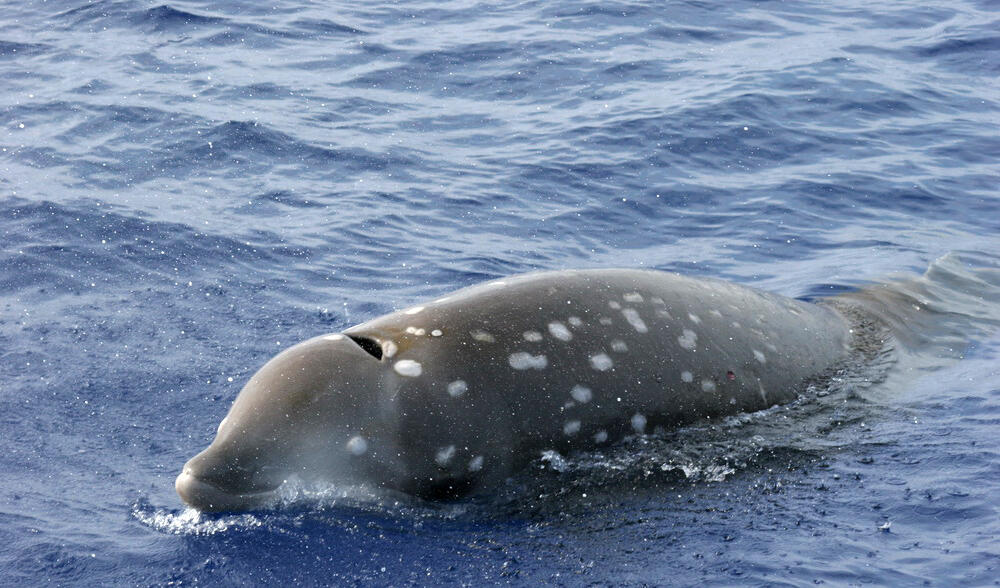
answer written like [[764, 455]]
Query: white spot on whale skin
[[571, 428], [408, 367], [436, 333], [413, 310], [581, 394], [736, 325], [715, 313], [357, 445], [476, 463], [521, 360], [694, 318], [763, 393], [389, 348], [480, 335], [575, 321], [559, 331], [638, 423], [759, 356], [615, 305], [457, 388], [605, 321], [688, 340], [687, 376], [635, 320], [619, 346], [633, 297], [444, 455], [601, 362], [532, 336], [334, 337], [601, 436], [708, 385], [416, 331]]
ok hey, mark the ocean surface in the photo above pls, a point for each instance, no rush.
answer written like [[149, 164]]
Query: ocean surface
[[187, 188]]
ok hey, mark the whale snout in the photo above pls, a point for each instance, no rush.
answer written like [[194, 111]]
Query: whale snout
[[207, 491]]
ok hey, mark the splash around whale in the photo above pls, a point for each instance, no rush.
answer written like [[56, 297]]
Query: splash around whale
[[453, 395]]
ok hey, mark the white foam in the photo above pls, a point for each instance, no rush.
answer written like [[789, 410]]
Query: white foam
[[413, 310], [521, 360], [601, 362], [408, 367]]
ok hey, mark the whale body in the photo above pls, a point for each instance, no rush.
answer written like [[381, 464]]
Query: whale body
[[453, 395]]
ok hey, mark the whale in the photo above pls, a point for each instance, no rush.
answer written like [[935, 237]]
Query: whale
[[454, 395]]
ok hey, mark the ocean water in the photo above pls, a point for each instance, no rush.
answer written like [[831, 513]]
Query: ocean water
[[187, 188]]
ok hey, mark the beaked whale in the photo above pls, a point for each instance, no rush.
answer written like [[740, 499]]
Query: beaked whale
[[453, 395]]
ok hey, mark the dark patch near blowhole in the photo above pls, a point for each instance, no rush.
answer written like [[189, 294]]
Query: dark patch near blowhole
[[370, 346]]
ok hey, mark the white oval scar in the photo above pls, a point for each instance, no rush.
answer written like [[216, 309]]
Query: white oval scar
[[759, 356], [638, 423], [708, 385], [357, 445], [575, 321], [601, 436], [687, 376], [532, 336], [436, 333], [633, 297], [619, 346], [601, 362], [605, 321], [715, 313], [413, 310], [559, 331], [694, 318], [581, 394], [476, 463], [389, 348], [457, 388], [521, 360], [688, 340], [614, 305], [408, 367], [333, 337], [633, 318], [480, 335], [444, 455], [571, 427]]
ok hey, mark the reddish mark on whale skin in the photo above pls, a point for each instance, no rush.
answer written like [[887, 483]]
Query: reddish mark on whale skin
[[730, 375]]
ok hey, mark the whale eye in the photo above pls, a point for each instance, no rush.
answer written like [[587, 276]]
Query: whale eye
[[371, 346]]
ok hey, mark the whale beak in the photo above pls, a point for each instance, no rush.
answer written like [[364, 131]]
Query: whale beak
[[207, 497]]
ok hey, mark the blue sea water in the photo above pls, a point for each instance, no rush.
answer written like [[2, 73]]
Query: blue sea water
[[187, 188]]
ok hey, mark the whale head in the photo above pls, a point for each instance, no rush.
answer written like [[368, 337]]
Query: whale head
[[312, 411]]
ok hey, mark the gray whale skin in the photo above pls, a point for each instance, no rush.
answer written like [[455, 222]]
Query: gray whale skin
[[452, 396]]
